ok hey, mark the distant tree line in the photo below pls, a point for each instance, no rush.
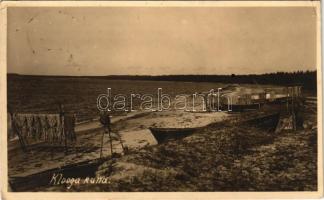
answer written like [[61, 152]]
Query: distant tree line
[[307, 79]]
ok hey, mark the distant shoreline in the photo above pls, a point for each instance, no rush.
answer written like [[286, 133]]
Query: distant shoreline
[[307, 79]]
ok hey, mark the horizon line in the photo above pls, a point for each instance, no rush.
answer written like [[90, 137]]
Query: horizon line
[[139, 75]]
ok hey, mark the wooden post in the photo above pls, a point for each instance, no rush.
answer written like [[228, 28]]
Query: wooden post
[[61, 111], [293, 110], [15, 130], [288, 100], [105, 121], [110, 140], [121, 141], [102, 139]]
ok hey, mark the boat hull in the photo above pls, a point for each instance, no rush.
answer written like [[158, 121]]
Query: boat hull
[[33, 181], [165, 134], [267, 121]]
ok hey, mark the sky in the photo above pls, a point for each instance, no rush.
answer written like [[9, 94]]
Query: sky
[[160, 40]]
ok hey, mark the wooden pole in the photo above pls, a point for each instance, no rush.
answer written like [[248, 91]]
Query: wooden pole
[[15, 130], [63, 133], [105, 120], [288, 100], [102, 139], [110, 140], [293, 110], [121, 141]]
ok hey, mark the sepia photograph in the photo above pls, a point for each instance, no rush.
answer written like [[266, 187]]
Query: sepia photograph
[[162, 97]]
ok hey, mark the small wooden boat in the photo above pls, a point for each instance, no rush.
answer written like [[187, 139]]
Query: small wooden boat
[[265, 121], [165, 134], [33, 181]]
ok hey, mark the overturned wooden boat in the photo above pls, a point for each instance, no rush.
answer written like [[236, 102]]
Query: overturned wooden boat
[[268, 121], [261, 120], [43, 178], [165, 134]]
